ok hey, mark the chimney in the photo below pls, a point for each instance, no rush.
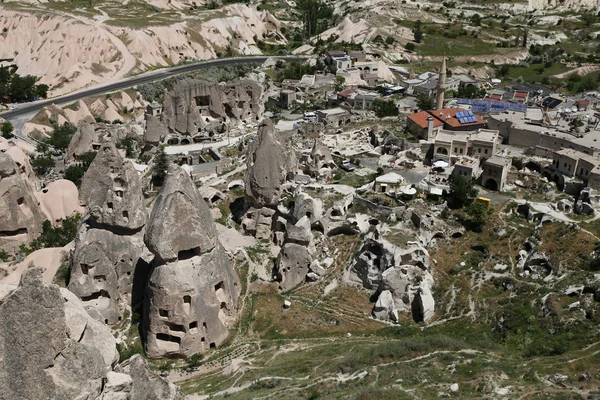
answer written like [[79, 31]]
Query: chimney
[[429, 127]]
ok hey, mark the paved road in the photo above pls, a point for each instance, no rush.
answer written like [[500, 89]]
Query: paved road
[[32, 108]]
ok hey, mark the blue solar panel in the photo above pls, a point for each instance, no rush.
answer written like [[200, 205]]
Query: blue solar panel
[[480, 106], [459, 114]]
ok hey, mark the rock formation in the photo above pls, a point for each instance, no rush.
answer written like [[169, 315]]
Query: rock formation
[[110, 263], [400, 273], [20, 215], [193, 106], [193, 289], [52, 349], [270, 164], [82, 141], [156, 130], [89, 137], [105, 265], [111, 189], [320, 162]]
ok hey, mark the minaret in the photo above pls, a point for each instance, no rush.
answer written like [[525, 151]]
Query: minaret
[[441, 87]]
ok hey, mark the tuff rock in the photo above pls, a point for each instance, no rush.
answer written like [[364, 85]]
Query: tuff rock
[[192, 294], [112, 190], [52, 349], [270, 164], [20, 215]]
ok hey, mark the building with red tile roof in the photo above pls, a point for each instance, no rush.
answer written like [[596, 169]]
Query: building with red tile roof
[[452, 119]]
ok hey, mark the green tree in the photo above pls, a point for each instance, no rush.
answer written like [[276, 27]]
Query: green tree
[[410, 46], [316, 15], [7, 130], [338, 83], [161, 164], [425, 102], [75, 174], [588, 19], [468, 91], [418, 35], [61, 136], [476, 20], [476, 216], [42, 164], [461, 191], [385, 108], [58, 236]]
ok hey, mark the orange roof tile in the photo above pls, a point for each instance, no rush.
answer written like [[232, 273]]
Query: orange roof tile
[[420, 119], [453, 121]]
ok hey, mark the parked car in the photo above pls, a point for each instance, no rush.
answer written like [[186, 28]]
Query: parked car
[[14, 107], [346, 165]]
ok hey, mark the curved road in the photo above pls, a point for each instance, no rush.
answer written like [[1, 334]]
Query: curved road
[[34, 107]]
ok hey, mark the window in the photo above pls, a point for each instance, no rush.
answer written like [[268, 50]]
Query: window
[[485, 151], [565, 165], [455, 150], [479, 150], [461, 151]]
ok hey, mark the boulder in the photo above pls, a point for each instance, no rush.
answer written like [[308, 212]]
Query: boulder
[[270, 164], [20, 215], [103, 268], [410, 287], [307, 206], [292, 265], [52, 349], [300, 232], [258, 222], [384, 308], [112, 190], [147, 385], [193, 290]]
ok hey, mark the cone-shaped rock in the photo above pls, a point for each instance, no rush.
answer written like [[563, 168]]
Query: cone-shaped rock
[[112, 190], [20, 215], [193, 290], [269, 166], [180, 221]]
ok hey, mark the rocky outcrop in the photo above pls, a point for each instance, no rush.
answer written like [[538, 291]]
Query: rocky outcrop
[[320, 162], [169, 235], [402, 273], [111, 189], [270, 164], [109, 272], [110, 262], [20, 215], [82, 141], [193, 290], [292, 265], [197, 105], [156, 130], [258, 222], [52, 349], [89, 137]]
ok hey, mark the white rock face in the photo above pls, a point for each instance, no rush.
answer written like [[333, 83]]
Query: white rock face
[[398, 275], [71, 53], [576, 4]]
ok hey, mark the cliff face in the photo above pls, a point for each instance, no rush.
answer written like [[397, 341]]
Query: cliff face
[[69, 53], [195, 105]]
